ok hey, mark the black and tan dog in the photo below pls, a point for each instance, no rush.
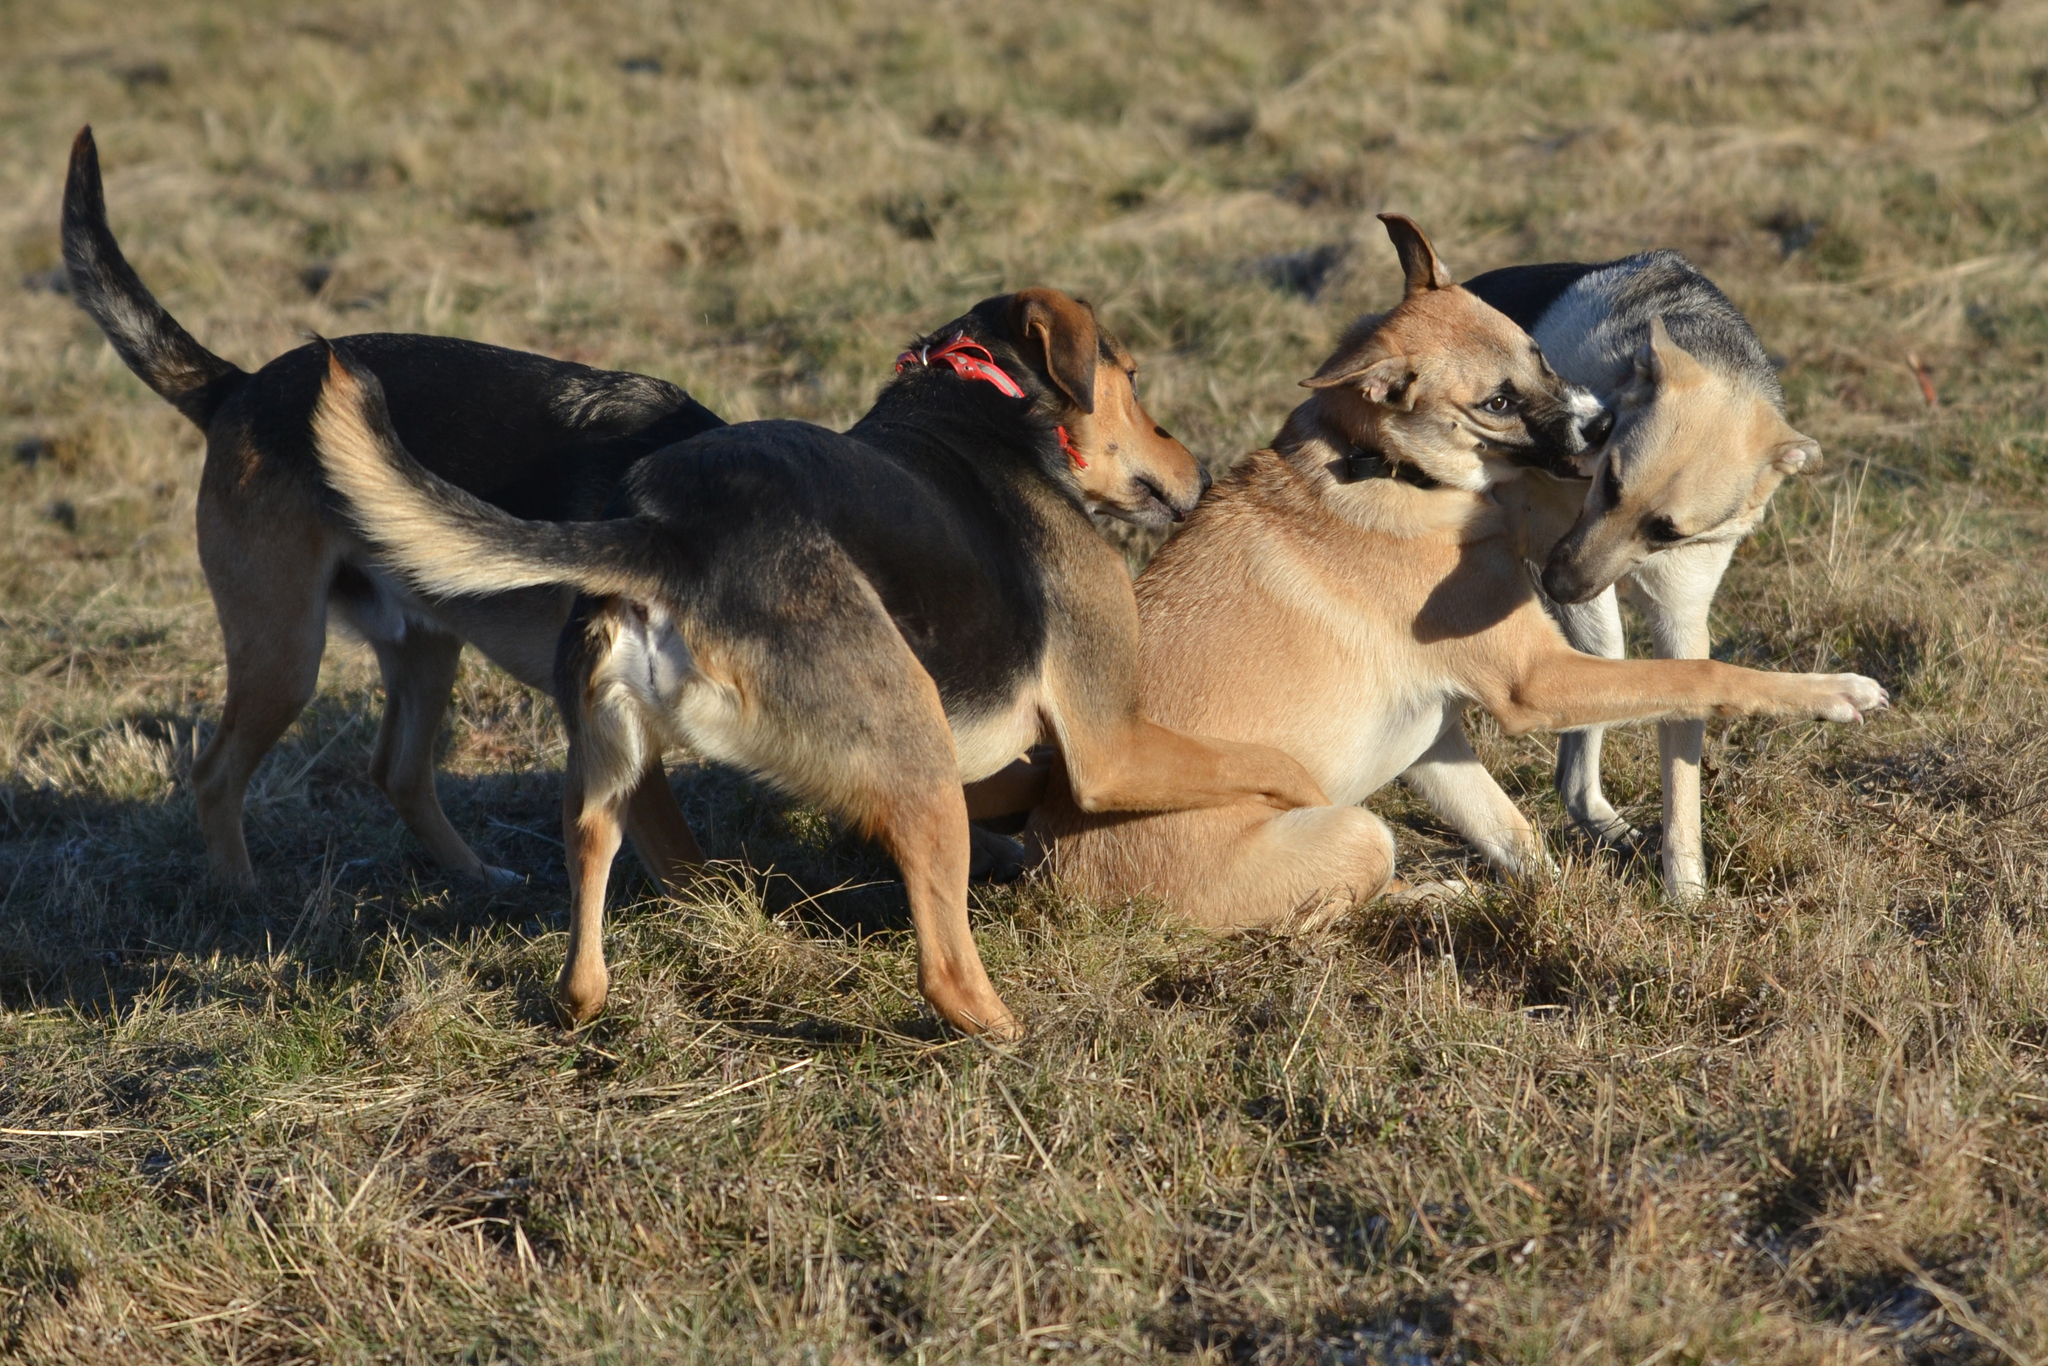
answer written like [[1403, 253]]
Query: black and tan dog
[[538, 437], [1344, 597], [867, 620]]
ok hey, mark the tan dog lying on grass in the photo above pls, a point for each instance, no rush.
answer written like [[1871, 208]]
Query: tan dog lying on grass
[[866, 619], [1343, 597]]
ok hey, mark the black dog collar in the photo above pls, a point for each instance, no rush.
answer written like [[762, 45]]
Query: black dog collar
[[1360, 463]]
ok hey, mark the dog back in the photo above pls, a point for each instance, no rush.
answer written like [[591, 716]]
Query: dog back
[[1591, 320]]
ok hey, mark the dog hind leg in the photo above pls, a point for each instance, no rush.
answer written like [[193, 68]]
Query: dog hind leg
[[803, 679], [269, 586], [419, 670], [1227, 868], [868, 740], [661, 836], [592, 829], [1297, 870]]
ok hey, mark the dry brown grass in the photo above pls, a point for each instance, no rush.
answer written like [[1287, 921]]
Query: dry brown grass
[[1802, 1121]]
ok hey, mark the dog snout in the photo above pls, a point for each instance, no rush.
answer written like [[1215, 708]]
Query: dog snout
[[1208, 479], [1564, 582]]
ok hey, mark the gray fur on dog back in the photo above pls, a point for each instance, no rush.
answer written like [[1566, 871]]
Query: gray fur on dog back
[[1593, 328]]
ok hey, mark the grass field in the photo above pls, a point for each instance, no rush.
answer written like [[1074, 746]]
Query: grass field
[[1805, 1120]]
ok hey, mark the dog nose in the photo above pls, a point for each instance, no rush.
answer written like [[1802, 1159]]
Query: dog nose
[[1564, 583], [1208, 479], [1598, 427]]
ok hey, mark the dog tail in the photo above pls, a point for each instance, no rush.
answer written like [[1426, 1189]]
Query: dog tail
[[190, 377], [445, 541]]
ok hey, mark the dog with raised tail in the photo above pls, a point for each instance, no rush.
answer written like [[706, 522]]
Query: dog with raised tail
[[1699, 445], [537, 436]]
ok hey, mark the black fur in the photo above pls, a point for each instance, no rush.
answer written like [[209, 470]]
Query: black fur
[[540, 438], [926, 495], [1525, 293], [190, 377]]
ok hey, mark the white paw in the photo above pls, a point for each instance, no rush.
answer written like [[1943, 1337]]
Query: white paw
[[498, 879], [1852, 695], [1422, 893]]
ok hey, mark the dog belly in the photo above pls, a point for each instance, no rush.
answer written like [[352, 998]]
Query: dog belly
[[986, 743], [517, 631], [1377, 748]]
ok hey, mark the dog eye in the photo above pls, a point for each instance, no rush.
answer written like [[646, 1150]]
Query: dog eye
[[1663, 529], [1499, 403]]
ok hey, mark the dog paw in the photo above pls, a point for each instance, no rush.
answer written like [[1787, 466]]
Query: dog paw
[[1417, 893], [993, 858], [1849, 697], [498, 879], [1614, 834]]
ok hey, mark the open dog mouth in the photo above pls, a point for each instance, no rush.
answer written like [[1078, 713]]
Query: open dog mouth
[[1153, 507], [1550, 452]]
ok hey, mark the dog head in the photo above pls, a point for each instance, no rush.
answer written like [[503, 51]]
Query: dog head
[[1447, 385], [1694, 456], [1120, 461]]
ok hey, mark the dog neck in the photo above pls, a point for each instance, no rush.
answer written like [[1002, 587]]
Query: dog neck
[[1363, 487], [1311, 441], [935, 415], [1359, 463]]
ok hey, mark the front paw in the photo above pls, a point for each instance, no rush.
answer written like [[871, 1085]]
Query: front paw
[[1847, 697]]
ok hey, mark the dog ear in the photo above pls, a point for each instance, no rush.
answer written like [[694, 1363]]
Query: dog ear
[[1064, 330], [1389, 380], [1650, 355], [1796, 455], [1419, 263]]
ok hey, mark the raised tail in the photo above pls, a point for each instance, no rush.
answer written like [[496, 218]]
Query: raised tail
[[194, 380], [443, 540]]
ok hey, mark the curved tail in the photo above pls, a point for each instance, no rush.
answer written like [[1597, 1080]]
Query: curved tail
[[448, 542], [194, 380]]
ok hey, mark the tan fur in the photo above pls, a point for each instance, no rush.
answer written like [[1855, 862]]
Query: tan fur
[[1413, 385], [1702, 452], [1347, 623], [1696, 455], [823, 695]]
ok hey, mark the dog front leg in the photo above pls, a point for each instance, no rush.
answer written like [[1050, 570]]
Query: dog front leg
[[1595, 628], [1457, 787], [1560, 689], [1676, 593]]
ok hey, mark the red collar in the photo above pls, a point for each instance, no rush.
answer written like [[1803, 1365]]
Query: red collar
[[958, 353]]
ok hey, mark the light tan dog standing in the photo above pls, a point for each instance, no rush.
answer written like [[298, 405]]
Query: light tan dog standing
[[1344, 597], [1700, 445]]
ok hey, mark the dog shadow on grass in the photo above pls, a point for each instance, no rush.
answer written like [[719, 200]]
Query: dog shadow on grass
[[107, 897], [105, 894]]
